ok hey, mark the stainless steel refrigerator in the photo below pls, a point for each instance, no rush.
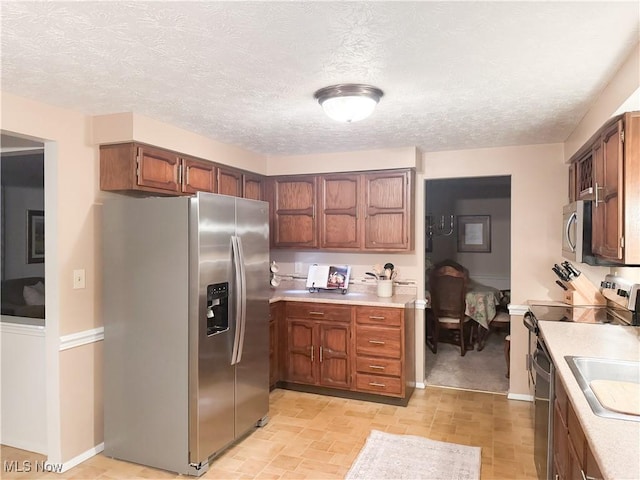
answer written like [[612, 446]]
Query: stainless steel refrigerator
[[186, 337]]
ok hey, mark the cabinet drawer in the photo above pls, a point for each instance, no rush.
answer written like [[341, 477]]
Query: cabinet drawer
[[379, 316], [319, 311], [378, 384], [379, 366], [378, 341]]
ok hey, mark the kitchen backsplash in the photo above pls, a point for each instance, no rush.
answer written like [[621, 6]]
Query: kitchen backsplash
[[287, 282]]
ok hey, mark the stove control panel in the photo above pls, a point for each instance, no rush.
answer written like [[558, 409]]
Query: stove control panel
[[621, 291]]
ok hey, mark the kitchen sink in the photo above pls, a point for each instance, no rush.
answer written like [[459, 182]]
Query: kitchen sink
[[588, 369]]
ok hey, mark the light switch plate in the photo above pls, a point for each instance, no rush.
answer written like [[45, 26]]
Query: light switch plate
[[78, 279]]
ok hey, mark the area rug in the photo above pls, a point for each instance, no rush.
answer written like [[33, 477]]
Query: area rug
[[390, 456]]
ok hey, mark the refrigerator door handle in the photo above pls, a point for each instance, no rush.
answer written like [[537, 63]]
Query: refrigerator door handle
[[237, 298], [243, 299]]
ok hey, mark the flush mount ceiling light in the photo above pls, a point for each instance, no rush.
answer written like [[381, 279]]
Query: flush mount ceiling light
[[348, 102]]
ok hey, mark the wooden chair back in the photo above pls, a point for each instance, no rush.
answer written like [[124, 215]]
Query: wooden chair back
[[448, 287]]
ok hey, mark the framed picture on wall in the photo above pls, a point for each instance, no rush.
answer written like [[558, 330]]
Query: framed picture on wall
[[35, 236], [474, 233]]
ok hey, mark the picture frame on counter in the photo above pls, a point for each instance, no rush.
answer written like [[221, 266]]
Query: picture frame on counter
[[474, 233]]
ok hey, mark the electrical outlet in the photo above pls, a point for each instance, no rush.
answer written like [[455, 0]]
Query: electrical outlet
[[297, 267], [78, 279]]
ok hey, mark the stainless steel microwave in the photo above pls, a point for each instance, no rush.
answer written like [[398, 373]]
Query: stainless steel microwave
[[576, 232]]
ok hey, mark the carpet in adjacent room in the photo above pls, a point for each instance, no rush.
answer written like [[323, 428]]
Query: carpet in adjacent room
[[484, 371]]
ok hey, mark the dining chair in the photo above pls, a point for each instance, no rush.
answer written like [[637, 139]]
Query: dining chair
[[448, 287]]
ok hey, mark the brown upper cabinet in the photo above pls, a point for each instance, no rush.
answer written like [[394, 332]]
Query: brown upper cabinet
[[229, 182], [252, 186], [239, 184], [293, 210], [388, 212], [138, 167], [341, 223], [614, 172], [144, 168], [356, 211]]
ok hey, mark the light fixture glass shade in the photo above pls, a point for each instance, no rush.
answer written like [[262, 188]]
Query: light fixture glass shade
[[348, 102]]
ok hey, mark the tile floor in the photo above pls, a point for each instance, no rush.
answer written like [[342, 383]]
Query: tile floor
[[318, 437]]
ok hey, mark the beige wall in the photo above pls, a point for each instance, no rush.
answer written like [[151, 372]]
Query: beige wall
[[621, 94], [82, 399], [405, 157], [126, 127]]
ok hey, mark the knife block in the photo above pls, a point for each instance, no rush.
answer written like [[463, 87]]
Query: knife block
[[583, 292]]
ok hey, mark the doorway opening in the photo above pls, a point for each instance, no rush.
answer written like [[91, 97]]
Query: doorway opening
[[22, 280], [468, 222]]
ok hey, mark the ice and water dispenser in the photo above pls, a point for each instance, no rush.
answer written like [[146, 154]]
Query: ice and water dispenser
[[217, 308]]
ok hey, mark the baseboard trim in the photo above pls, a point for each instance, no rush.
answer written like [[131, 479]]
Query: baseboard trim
[[520, 396], [69, 464], [81, 338], [421, 385]]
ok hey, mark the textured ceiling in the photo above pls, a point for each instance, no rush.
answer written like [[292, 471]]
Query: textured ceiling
[[455, 74]]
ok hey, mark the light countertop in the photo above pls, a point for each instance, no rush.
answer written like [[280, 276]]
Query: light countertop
[[357, 294], [615, 443], [350, 298]]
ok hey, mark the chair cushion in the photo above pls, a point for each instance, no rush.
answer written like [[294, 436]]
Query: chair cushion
[[501, 317], [452, 320]]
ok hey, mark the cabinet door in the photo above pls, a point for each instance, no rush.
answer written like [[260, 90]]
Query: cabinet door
[[294, 217], [229, 182], [584, 176], [274, 321], [607, 208], [339, 218], [560, 443], [301, 354], [158, 168], [572, 183], [198, 176], [592, 469], [252, 187], [334, 354], [387, 210]]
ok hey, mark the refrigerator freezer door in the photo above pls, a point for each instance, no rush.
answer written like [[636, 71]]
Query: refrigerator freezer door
[[211, 375], [252, 370]]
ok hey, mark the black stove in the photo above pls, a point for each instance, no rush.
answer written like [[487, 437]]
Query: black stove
[[622, 306], [556, 312]]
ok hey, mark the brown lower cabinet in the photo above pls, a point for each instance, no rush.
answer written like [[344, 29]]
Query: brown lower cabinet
[[319, 344], [572, 455], [274, 324], [356, 348]]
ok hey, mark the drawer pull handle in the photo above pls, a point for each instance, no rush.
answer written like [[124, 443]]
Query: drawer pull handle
[[376, 342], [376, 317], [376, 367], [374, 384], [316, 313]]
